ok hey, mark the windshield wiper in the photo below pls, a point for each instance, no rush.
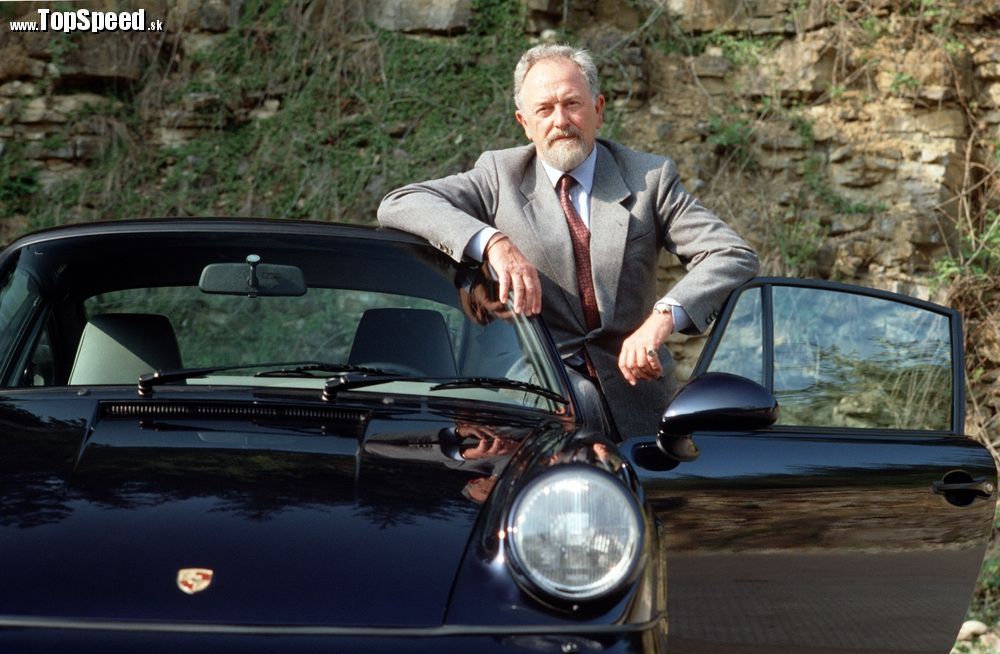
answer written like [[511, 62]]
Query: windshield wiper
[[304, 370], [151, 379], [280, 369], [351, 380], [354, 379], [350, 376], [501, 382]]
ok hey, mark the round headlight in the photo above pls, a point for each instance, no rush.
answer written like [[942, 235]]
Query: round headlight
[[575, 533]]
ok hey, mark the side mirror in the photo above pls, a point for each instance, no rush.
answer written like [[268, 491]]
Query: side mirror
[[715, 401]]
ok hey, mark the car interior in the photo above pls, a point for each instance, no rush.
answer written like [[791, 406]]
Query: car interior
[[90, 324]]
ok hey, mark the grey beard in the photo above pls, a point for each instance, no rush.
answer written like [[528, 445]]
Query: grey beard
[[563, 156]]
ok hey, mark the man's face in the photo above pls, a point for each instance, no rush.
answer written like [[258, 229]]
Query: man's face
[[558, 114]]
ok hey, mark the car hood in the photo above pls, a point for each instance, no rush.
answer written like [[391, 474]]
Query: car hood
[[355, 519]]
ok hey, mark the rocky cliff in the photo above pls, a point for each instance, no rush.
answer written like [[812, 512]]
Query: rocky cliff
[[847, 139]]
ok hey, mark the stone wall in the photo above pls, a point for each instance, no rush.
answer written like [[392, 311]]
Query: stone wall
[[845, 138]]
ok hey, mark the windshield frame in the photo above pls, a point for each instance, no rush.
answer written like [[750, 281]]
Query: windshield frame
[[92, 244]]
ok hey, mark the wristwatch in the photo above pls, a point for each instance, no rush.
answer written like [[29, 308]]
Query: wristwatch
[[662, 307]]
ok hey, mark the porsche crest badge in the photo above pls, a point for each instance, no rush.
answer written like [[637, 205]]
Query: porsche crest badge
[[194, 580]]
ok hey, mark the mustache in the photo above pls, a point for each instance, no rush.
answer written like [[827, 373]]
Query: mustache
[[563, 133]]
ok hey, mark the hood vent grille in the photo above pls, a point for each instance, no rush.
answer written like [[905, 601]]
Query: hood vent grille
[[232, 411]]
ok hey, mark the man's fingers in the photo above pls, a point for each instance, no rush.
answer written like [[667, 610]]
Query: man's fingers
[[504, 289], [650, 363], [517, 282], [636, 363], [653, 361], [532, 293], [518, 278], [525, 287], [626, 365]]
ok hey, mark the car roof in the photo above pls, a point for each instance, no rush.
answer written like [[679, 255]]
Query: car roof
[[104, 249], [214, 224]]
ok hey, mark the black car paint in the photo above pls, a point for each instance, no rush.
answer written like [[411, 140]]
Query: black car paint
[[316, 534], [386, 535]]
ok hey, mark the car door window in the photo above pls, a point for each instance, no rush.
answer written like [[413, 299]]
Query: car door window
[[740, 352], [40, 369], [19, 297], [837, 358]]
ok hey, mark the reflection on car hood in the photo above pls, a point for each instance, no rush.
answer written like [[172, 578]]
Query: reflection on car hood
[[299, 523]]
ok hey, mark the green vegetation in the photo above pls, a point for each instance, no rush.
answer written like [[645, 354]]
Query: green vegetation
[[18, 183], [359, 111], [10, 11], [873, 27], [904, 83], [797, 239], [738, 49], [979, 254], [730, 136], [744, 50], [814, 179]]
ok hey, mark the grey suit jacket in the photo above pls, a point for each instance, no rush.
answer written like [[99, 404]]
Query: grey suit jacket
[[638, 206]]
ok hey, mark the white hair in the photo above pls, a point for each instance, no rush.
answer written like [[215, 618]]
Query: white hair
[[542, 52]]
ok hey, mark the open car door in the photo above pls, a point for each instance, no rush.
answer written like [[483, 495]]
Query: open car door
[[858, 521]]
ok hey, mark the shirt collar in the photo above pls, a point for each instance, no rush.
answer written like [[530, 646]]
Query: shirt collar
[[583, 174]]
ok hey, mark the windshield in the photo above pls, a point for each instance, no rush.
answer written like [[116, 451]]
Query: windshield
[[104, 309]]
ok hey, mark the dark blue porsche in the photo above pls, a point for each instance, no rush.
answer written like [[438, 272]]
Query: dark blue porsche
[[269, 436]]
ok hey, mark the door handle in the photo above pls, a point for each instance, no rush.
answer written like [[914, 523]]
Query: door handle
[[981, 485], [961, 489]]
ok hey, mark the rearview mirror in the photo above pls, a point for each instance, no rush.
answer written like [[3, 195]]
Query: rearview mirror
[[714, 401], [252, 279]]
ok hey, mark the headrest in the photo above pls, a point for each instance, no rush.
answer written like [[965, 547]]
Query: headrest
[[415, 339], [115, 348]]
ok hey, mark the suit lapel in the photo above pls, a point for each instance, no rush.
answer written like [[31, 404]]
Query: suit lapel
[[609, 222], [552, 241]]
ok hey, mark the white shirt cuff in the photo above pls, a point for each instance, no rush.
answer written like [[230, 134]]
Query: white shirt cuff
[[681, 319], [477, 244]]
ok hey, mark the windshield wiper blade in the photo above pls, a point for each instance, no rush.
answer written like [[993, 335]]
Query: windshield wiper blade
[[303, 370], [351, 380], [279, 369], [501, 382]]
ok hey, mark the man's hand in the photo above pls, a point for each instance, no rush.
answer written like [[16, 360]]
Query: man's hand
[[635, 360], [515, 274]]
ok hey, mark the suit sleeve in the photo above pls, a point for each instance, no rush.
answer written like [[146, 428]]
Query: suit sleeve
[[447, 212], [717, 259]]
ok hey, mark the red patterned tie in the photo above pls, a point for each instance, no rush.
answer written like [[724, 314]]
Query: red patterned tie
[[580, 236], [581, 254]]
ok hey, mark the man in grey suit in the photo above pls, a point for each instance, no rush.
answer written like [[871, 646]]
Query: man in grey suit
[[540, 214]]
